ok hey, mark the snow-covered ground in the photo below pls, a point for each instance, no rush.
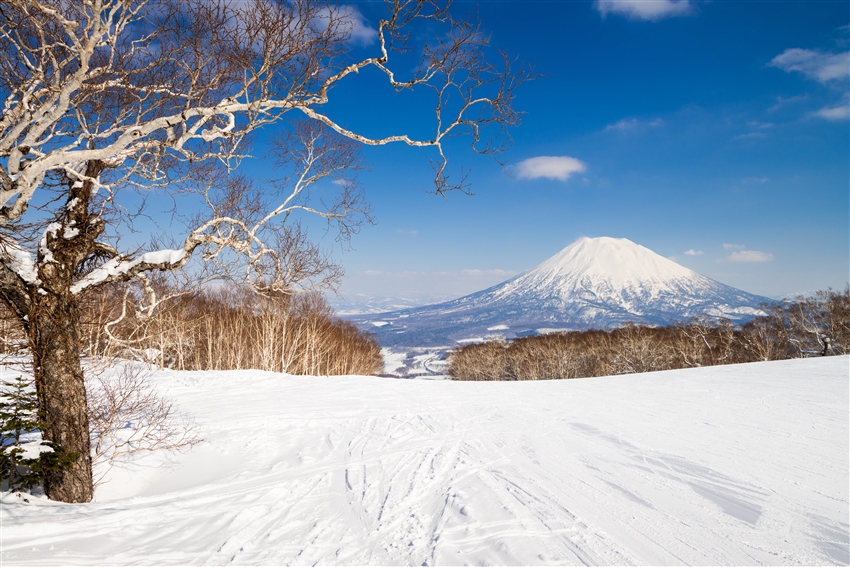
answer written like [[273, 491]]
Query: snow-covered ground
[[423, 362], [739, 465]]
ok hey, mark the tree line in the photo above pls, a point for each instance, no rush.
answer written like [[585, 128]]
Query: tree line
[[223, 328], [807, 326]]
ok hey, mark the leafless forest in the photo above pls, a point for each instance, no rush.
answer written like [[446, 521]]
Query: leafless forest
[[226, 328], [813, 326]]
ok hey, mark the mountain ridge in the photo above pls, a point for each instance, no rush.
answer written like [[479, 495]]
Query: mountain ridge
[[592, 283]]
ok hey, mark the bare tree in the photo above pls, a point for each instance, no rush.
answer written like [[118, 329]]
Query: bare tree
[[127, 415], [101, 96], [818, 325]]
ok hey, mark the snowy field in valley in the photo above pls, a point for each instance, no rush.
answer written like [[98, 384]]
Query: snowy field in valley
[[741, 465]]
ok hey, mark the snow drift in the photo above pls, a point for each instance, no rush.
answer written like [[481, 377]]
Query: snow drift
[[592, 283], [744, 464]]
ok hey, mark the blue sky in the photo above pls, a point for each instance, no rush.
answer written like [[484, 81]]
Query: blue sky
[[714, 133]]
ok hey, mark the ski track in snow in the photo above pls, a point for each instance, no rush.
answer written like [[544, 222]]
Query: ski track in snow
[[743, 464]]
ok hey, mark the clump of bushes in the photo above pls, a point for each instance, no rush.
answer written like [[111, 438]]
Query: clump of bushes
[[811, 326]]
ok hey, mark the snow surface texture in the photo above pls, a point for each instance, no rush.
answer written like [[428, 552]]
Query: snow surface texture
[[743, 465], [592, 283]]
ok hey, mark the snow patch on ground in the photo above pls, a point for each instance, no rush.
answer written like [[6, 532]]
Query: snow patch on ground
[[423, 362], [551, 330], [392, 360], [470, 340], [744, 464]]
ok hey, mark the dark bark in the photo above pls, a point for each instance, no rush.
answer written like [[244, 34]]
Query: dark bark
[[52, 322], [55, 341]]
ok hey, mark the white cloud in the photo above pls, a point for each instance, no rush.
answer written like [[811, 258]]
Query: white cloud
[[362, 32], [751, 136], [624, 124], [353, 20], [740, 254], [632, 124], [751, 180], [549, 167], [749, 256], [785, 101], [839, 113], [758, 130], [822, 67], [410, 232], [693, 252], [651, 10]]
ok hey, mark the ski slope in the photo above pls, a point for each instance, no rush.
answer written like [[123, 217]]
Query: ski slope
[[742, 464]]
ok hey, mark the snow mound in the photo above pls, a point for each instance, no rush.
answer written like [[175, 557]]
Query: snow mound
[[743, 464]]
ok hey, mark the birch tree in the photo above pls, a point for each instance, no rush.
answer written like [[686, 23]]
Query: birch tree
[[105, 100]]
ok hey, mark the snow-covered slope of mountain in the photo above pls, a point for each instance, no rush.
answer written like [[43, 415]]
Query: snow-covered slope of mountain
[[592, 283]]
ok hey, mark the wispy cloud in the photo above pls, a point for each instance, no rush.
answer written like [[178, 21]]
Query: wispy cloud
[[410, 232], [362, 32], [496, 272], [624, 124], [817, 65], [757, 131], [559, 168], [648, 10], [693, 252], [782, 101], [837, 113], [627, 124], [749, 256], [751, 136], [359, 30], [755, 180], [741, 254]]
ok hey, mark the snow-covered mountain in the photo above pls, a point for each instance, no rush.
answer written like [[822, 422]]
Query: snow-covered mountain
[[592, 283]]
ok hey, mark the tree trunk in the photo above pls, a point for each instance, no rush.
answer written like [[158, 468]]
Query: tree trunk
[[53, 325], [55, 342]]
